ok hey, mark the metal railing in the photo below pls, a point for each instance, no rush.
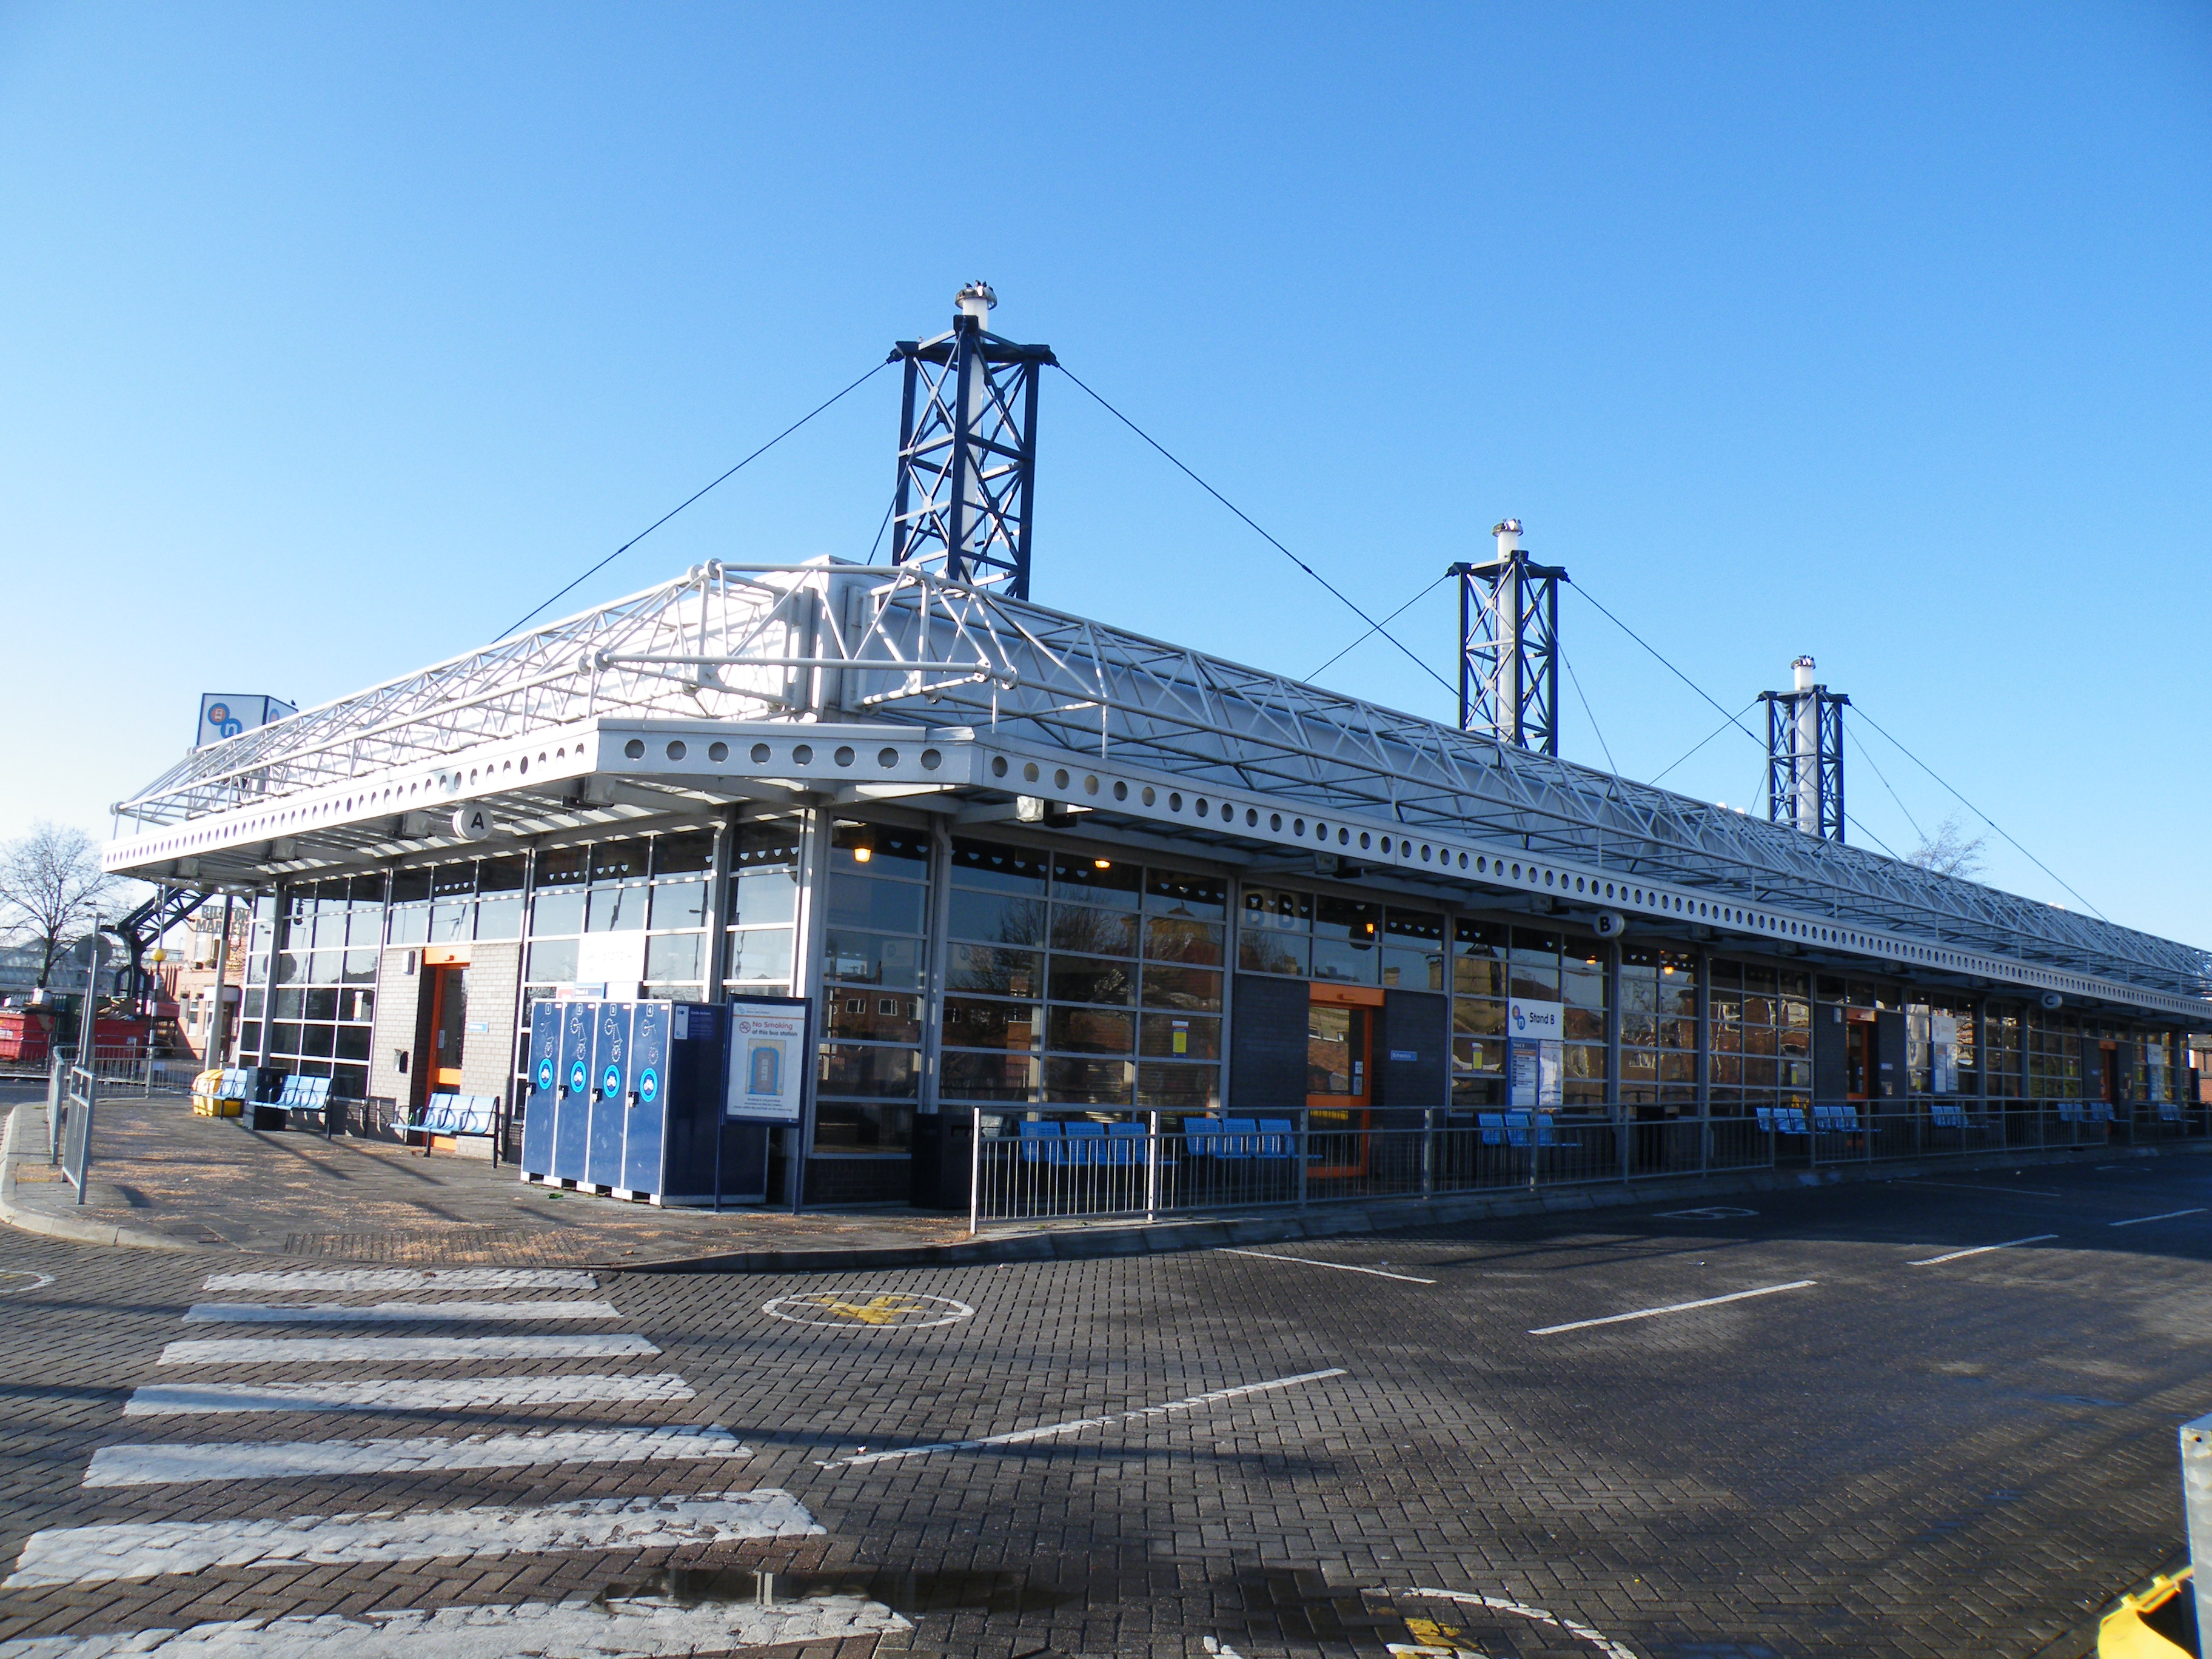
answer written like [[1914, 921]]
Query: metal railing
[[72, 1092], [1038, 1165]]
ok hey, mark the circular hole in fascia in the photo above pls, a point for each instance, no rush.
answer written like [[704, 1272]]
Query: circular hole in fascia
[[1029, 772], [803, 755], [932, 759], [718, 752], [760, 754], [634, 749], [844, 755], [1059, 779], [1150, 797], [1121, 791], [998, 766], [887, 758], [677, 751]]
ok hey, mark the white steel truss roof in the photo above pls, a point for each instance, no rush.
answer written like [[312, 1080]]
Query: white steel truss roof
[[866, 650]]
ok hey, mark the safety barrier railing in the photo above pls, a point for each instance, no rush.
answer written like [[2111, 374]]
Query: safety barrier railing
[[1038, 1165]]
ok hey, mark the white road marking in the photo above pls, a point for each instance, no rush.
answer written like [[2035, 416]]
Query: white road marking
[[1981, 1250], [1671, 1307], [408, 1278], [898, 1310], [1605, 1644], [337, 1313], [35, 1281], [2138, 1221], [153, 1466], [1972, 1186], [338, 1350], [378, 1393], [1052, 1430], [643, 1628], [1341, 1266], [92, 1555]]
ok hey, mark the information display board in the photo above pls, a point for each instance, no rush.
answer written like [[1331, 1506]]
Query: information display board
[[768, 1059]]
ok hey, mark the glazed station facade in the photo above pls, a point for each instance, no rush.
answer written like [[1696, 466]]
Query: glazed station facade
[[1023, 862]]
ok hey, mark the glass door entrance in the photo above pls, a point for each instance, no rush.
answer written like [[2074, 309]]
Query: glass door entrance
[[1339, 1077], [449, 1019]]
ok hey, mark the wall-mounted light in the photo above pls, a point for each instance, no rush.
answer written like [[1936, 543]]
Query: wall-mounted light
[[862, 854], [1102, 864]]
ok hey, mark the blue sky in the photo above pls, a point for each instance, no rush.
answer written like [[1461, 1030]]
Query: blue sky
[[336, 337]]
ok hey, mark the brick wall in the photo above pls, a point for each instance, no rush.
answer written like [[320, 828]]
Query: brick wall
[[398, 994], [495, 982]]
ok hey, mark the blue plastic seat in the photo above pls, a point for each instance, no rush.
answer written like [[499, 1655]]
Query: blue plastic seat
[[1033, 1135], [1279, 1137], [1077, 1148], [1240, 1136], [1125, 1144], [1493, 1128]]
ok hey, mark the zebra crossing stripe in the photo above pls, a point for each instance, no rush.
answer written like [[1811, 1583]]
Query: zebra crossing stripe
[[262, 1460], [400, 1393], [338, 1350], [337, 1313], [91, 1555], [408, 1278], [565, 1629]]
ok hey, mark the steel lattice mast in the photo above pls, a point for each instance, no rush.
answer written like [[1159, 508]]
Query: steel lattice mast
[[967, 457], [1508, 649]]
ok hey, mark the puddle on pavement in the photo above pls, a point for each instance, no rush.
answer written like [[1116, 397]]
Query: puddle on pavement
[[907, 1592]]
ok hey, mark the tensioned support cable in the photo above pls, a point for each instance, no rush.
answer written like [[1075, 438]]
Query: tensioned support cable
[[515, 627], [1373, 626]]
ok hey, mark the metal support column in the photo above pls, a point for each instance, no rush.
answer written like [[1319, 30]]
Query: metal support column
[[1508, 645]]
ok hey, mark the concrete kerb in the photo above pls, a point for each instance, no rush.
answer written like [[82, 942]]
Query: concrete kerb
[[1393, 1215], [80, 1230]]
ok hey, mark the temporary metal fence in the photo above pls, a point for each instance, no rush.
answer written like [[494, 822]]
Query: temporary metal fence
[[1035, 1165], [72, 1092]]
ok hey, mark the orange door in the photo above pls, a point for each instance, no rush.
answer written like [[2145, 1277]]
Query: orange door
[[1339, 1078], [449, 1018]]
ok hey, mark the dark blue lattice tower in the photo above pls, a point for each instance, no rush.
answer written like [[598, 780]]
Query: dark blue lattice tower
[[1805, 755], [967, 462], [1508, 646]]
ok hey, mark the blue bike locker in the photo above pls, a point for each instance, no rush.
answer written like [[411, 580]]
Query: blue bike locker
[[611, 1092], [540, 1104], [572, 1112]]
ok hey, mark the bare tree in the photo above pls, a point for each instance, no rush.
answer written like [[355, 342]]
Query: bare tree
[[1951, 851], [51, 888]]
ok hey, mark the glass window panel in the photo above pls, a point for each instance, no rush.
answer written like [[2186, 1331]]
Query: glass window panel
[[1277, 910], [1195, 988], [620, 860], [1000, 1076], [890, 907], [970, 1022], [552, 961], [1079, 979], [875, 850], [872, 959], [1179, 1088], [351, 1042], [1677, 1068], [997, 973], [1586, 1025], [1473, 1053], [1414, 970], [1179, 1036], [675, 956], [1410, 925], [1170, 938], [679, 904], [1089, 1030], [453, 881], [1479, 1017], [759, 953], [1098, 932], [288, 1002], [367, 891], [356, 1004], [852, 1068], [1478, 937], [1759, 1040], [1535, 982], [1638, 1066], [846, 1127], [1759, 980], [1799, 1043], [1728, 1039], [451, 923], [501, 875], [1097, 881], [557, 912], [872, 1016], [252, 1004], [1346, 919], [1583, 1060], [410, 924], [1259, 952], [322, 1003], [985, 866], [284, 1038], [1201, 898], [691, 852], [1535, 942], [1582, 982], [499, 918], [1089, 1082], [765, 893], [410, 886], [1758, 1071], [326, 967], [1678, 1034], [999, 918], [616, 909], [1758, 1011], [1348, 962], [1480, 976]]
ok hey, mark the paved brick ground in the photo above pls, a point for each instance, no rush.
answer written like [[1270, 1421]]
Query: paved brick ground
[[1961, 1458], [211, 1181]]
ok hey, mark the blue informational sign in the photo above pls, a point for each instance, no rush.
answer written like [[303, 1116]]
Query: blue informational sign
[[225, 715]]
